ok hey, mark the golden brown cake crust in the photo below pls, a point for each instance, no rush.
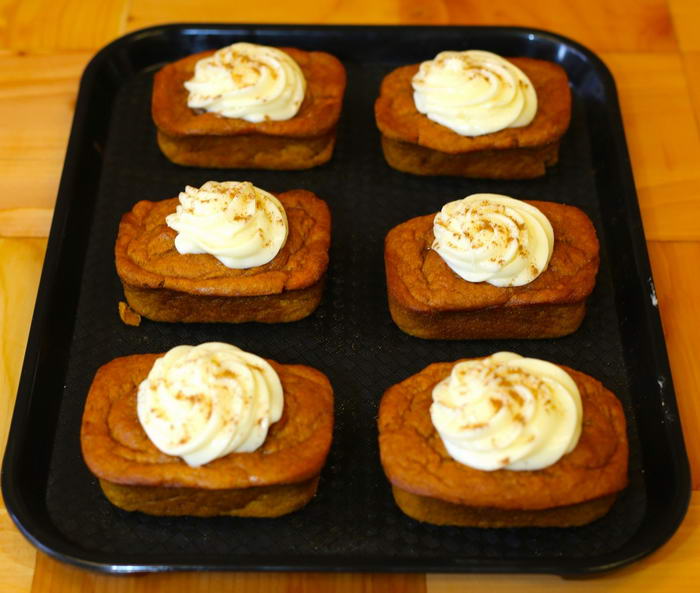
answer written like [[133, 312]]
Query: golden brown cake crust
[[505, 163], [254, 151], [416, 461], [256, 501], [427, 299], [162, 284], [439, 512], [207, 140], [116, 448], [398, 118]]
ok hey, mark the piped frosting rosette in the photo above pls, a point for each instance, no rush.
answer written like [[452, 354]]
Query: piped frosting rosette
[[493, 238], [241, 225], [506, 411], [247, 81], [203, 402], [474, 92]]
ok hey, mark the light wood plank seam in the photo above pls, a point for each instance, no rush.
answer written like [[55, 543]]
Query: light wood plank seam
[[687, 76]]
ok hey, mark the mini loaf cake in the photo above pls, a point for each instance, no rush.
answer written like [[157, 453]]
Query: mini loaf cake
[[226, 252], [503, 441], [249, 106], [474, 114], [207, 430], [490, 266]]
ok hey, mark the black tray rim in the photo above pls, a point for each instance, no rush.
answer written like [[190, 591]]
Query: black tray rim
[[65, 551]]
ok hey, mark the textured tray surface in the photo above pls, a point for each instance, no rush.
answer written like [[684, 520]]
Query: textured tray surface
[[352, 523]]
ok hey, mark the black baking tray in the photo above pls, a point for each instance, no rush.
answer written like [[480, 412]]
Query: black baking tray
[[352, 524]]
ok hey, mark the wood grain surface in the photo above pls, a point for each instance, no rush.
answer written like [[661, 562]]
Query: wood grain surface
[[653, 50]]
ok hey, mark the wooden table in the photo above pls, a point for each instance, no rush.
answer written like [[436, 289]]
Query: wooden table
[[653, 50]]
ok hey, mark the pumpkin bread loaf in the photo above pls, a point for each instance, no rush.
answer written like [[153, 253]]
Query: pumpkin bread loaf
[[277, 478], [430, 485]]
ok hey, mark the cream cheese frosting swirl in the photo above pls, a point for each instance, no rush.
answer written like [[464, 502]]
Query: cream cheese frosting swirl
[[239, 224], [474, 92], [507, 412], [203, 402], [247, 81], [493, 238]]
